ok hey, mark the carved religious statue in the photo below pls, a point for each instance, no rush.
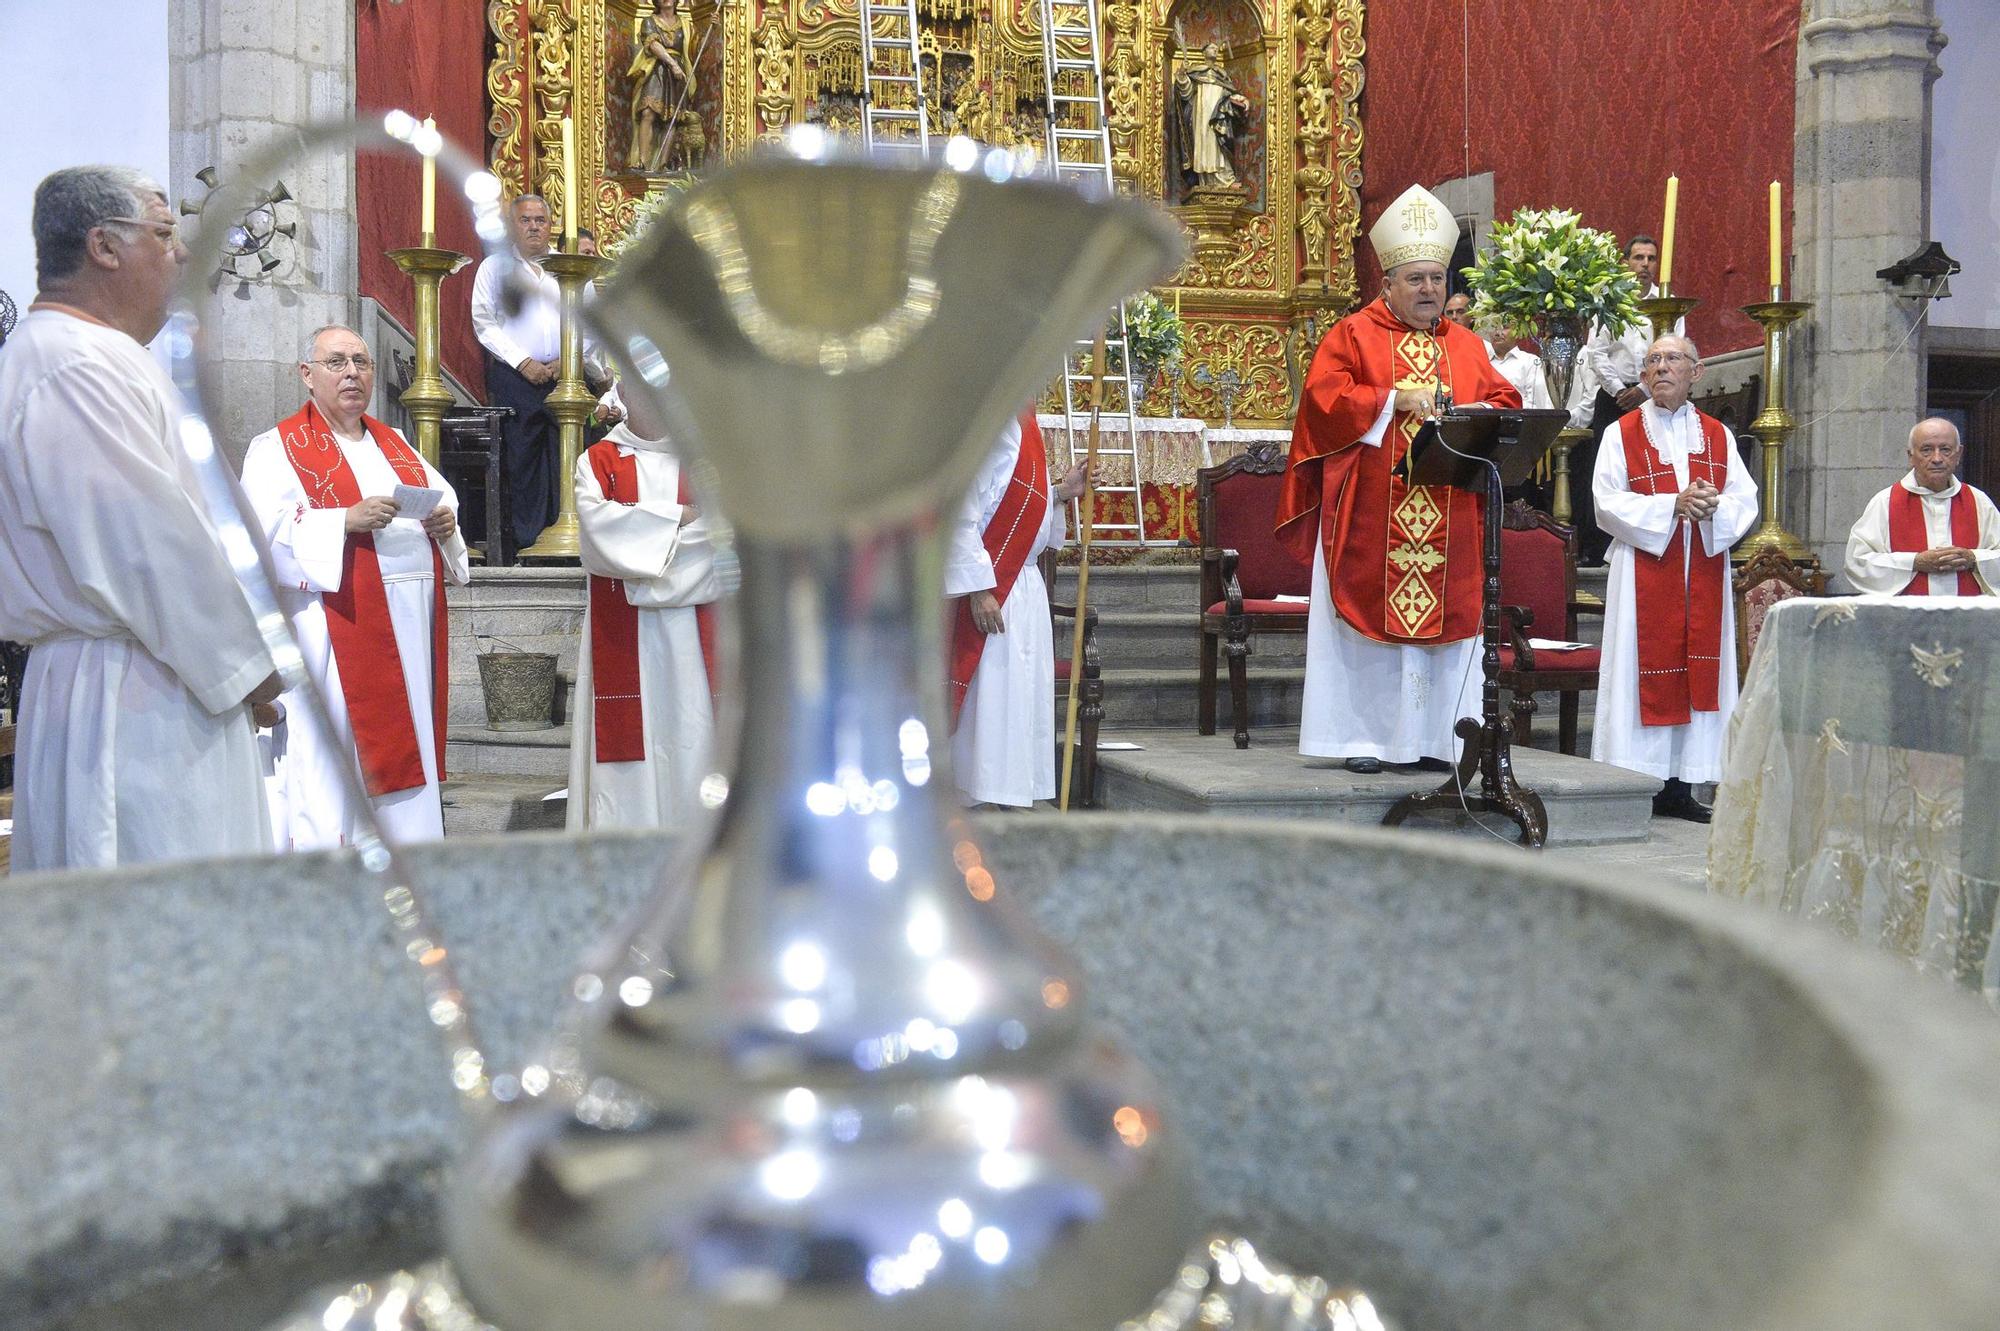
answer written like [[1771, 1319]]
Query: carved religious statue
[[1210, 117], [662, 82]]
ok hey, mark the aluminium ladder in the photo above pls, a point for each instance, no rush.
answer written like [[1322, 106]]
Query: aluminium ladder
[[889, 63], [1073, 82]]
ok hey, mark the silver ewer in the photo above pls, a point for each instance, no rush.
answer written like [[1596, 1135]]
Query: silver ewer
[[836, 1081]]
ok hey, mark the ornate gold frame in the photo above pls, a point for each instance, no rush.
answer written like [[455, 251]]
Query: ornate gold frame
[[1283, 275]]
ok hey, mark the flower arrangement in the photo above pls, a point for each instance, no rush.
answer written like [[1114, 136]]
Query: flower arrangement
[[1545, 266], [1153, 330]]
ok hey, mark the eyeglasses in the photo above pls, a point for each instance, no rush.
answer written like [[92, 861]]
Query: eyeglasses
[[1659, 358], [339, 364], [166, 231]]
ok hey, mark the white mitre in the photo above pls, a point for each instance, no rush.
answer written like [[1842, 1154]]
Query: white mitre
[[1416, 227]]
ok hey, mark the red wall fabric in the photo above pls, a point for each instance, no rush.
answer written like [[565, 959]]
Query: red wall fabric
[[1591, 106], [430, 60]]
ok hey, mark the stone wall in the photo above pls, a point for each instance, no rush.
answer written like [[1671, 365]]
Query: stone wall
[[244, 72]]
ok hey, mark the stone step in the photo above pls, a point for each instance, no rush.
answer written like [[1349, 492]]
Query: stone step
[[520, 588], [1134, 586], [1166, 698], [474, 750], [1128, 639], [477, 805]]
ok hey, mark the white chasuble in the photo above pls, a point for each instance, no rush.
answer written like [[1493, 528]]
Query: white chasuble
[[134, 744], [666, 561]]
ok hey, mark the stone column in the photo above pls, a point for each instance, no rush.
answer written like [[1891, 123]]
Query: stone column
[[1862, 174], [244, 71]]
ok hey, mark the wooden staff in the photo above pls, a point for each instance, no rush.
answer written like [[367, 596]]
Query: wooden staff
[[1084, 507]]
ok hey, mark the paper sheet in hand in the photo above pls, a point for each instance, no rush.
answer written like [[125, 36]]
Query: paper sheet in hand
[[414, 501]]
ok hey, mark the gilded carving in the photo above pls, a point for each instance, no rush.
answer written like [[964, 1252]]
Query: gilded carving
[[774, 77], [1256, 352], [1122, 83], [506, 86], [553, 28]]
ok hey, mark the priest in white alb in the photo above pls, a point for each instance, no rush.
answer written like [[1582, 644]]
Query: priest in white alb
[[1392, 629], [1674, 497], [1002, 682], [136, 742], [643, 738], [1929, 534], [362, 580]]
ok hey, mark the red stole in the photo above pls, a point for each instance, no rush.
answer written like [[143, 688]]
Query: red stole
[[1907, 533], [1011, 538], [618, 715], [1677, 594], [1402, 561], [357, 616]]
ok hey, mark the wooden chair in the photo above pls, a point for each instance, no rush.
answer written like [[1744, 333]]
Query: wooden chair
[[1538, 590], [1090, 700], [1244, 570], [470, 444], [1760, 582]]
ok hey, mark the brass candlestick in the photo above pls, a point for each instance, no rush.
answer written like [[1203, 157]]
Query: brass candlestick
[[570, 402], [1773, 426], [427, 397], [1561, 504], [1665, 310]]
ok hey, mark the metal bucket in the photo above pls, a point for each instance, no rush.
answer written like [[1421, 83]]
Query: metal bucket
[[520, 689]]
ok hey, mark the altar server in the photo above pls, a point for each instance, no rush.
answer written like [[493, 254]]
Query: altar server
[[1929, 534], [1675, 497], [363, 584], [1003, 740], [135, 740], [644, 734], [1392, 630]]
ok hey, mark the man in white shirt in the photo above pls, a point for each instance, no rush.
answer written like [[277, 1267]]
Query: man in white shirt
[[1614, 366], [1003, 664], [1929, 534], [1675, 497], [643, 736], [363, 586], [136, 742], [524, 351]]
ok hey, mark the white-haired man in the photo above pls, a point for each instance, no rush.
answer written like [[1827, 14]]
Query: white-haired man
[[363, 583], [1674, 497], [136, 741], [1392, 627], [1929, 534]]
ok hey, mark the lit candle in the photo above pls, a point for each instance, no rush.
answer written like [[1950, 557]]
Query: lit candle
[[1667, 234], [569, 184], [1777, 253], [429, 227]]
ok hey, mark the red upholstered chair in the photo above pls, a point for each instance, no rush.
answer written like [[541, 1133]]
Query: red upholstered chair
[[1538, 592], [1243, 572], [1090, 695]]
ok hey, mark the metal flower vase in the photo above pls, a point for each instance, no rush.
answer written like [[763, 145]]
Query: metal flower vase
[[835, 1080], [1561, 339]]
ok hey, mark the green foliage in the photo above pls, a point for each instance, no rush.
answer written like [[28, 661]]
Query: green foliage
[[1544, 264], [1152, 329]]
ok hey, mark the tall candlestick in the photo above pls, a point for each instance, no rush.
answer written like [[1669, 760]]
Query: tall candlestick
[[1667, 233], [429, 227], [1777, 252], [569, 184]]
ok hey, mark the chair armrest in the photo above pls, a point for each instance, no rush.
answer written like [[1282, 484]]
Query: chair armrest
[[1513, 620], [1211, 576], [1232, 590]]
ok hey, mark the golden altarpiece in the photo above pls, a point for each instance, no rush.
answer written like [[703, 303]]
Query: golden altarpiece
[[1271, 225]]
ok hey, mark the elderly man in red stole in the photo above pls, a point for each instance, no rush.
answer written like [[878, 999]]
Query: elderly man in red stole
[[1674, 498], [1003, 661], [1929, 534], [644, 734], [1392, 628], [362, 581]]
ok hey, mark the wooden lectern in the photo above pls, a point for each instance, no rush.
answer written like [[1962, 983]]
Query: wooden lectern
[[1482, 451]]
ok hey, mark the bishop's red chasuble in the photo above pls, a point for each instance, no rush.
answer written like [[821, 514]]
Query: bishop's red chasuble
[[1015, 530], [1402, 560], [1908, 535], [357, 616], [617, 708], [1677, 594]]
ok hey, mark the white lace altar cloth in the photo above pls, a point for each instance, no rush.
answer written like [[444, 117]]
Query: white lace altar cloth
[[1862, 787]]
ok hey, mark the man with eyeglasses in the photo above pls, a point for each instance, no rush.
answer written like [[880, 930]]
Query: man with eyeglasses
[[1674, 495], [517, 316], [362, 579], [136, 741], [1929, 534], [1392, 626]]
